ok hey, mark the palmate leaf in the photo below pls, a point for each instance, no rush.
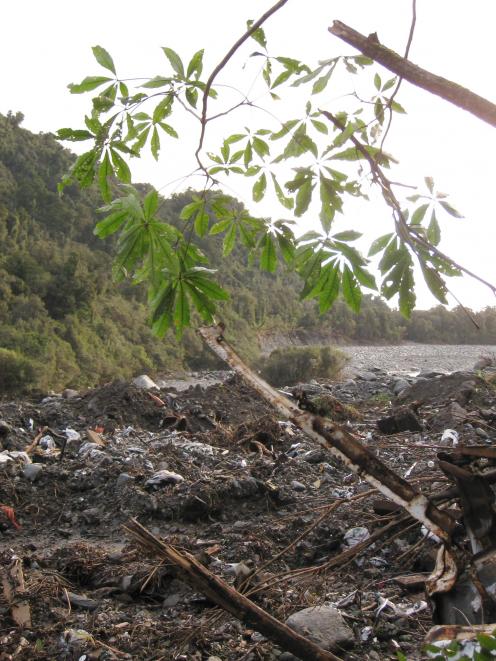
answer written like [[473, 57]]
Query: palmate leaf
[[88, 84], [268, 256]]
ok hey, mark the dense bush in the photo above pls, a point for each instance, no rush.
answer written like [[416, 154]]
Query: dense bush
[[17, 373], [285, 367]]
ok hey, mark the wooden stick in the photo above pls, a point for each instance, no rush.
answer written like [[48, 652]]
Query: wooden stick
[[225, 596]]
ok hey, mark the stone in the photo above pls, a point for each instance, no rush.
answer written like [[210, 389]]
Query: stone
[[144, 382], [69, 393], [367, 376], [298, 486], [32, 471], [482, 433], [324, 625], [124, 478], [399, 385]]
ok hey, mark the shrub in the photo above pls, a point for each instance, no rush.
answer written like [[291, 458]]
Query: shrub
[[17, 373], [285, 367]]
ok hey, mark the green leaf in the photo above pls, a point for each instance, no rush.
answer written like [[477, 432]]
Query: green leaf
[[157, 81], [261, 147], [268, 256], [365, 278], [201, 222], [74, 135], [209, 287], [433, 230], [155, 143], [435, 283], [418, 214], [167, 128], [330, 287], [258, 35], [121, 167], [407, 296], [88, 84], [104, 171], [379, 244], [320, 126], [221, 226], [303, 197], [111, 223], [259, 188], [352, 293], [286, 246], [388, 84], [286, 202], [188, 210], [229, 240], [163, 109], [174, 60], [150, 204], [348, 235], [103, 58], [321, 83], [486, 642], [286, 128], [181, 309], [196, 65], [451, 210], [377, 82], [192, 96]]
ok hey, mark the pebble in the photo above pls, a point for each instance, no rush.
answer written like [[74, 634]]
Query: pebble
[[482, 433], [298, 486], [32, 471]]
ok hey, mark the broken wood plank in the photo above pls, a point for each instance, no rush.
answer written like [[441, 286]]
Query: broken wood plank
[[339, 441], [225, 596]]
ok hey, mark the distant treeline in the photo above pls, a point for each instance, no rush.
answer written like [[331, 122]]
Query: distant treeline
[[63, 321]]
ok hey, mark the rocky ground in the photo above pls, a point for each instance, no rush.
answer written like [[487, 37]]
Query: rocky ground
[[211, 470]]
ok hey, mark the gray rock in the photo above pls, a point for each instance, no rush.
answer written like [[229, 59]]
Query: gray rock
[[298, 486], [143, 381], [482, 433], [399, 385], [32, 471], [368, 376], [124, 478], [324, 625]]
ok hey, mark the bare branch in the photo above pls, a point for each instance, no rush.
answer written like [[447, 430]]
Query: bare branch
[[446, 89]]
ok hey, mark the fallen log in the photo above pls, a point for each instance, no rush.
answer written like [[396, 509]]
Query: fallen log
[[339, 441], [225, 596]]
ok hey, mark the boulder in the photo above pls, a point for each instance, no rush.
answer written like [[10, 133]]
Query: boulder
[[324, 625]]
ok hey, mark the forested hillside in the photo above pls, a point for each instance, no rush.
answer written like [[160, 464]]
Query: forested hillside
[[63, 320]]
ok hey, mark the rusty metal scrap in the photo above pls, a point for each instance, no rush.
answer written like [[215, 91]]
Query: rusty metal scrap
[[340, 442]]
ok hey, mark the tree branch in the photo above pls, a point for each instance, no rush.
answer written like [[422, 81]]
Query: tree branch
[[446, 89]]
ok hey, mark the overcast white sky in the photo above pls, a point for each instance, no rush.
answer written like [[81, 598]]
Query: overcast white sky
[[46, 45]]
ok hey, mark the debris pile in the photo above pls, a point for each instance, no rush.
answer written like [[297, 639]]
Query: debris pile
[[252, 504]]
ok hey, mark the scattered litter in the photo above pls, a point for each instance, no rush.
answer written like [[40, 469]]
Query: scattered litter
[[450, 437]]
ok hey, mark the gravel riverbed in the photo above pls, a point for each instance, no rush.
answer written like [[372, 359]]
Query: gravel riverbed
[[414, 358]]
